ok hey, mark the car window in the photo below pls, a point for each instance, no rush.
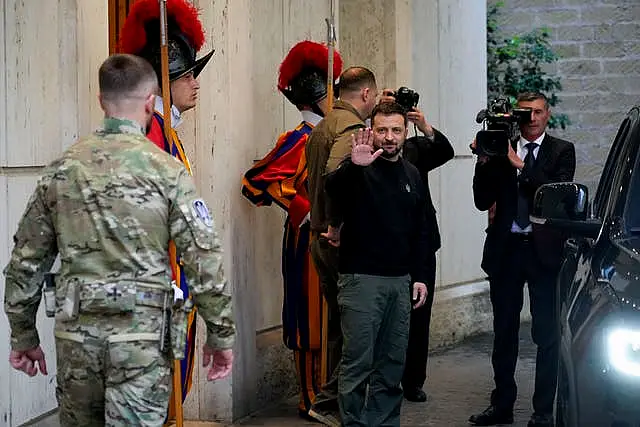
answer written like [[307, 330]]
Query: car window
[[632, 204], [608, 173]]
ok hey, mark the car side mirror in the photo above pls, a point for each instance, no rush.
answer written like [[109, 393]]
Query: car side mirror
[[564, 205], [561, 201]]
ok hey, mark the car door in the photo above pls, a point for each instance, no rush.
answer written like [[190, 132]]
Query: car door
[[586, 298], [578, 249], [593, 270]]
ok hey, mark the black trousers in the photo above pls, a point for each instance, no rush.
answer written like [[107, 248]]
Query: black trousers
[[521, 265], [415, 368]]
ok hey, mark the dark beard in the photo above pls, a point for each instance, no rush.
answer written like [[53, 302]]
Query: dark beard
[[390, 155]]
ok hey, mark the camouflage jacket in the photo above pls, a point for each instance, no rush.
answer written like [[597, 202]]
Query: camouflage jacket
[[109, 207]]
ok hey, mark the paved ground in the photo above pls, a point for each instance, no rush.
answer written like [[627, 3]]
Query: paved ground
[[459, 382]]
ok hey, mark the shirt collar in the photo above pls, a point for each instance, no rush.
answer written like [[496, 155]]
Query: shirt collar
[[176, 118], [344, 105], [120, 125], [310, 117], [538, 141]]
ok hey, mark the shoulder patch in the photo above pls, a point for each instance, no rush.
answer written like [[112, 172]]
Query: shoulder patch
[[201, 212]]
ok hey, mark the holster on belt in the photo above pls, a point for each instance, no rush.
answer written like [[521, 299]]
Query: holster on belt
[[49, 294], [178, 327]]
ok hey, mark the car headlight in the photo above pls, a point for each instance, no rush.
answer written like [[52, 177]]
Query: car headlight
[[624, 351]]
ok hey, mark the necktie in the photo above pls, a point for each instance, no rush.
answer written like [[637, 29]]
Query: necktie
[[522, 218]]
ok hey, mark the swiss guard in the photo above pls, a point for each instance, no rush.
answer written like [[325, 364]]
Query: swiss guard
[[281, 178], [140, 36]]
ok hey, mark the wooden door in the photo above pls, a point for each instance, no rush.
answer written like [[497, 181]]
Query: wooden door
[[118, 10]]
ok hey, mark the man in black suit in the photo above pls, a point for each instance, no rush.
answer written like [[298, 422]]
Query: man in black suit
[[516, 252]]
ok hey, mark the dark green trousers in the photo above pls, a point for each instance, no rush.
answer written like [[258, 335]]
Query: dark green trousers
[[374, 315]]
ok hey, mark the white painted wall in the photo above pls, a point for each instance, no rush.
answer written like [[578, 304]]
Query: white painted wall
[[5, 374], [449, 70], [49, 52]]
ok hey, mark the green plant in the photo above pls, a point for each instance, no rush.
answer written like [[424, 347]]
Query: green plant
[[515, 65]]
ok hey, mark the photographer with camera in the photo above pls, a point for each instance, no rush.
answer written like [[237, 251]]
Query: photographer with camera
[[426, 152], [509, 170]]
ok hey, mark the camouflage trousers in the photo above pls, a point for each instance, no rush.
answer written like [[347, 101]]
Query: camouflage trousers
[[111, 371]]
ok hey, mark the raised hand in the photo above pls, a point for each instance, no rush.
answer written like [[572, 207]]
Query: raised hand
[[387, 96], [362, 148], [481, 159], [417, 117]]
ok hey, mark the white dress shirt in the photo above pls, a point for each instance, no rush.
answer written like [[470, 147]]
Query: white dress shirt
[[522, 153], [310, 117], [176, 119]]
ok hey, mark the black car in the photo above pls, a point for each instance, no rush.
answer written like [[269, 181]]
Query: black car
[[599, 288]]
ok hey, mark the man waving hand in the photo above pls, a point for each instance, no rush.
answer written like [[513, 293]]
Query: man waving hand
[[376, 211]]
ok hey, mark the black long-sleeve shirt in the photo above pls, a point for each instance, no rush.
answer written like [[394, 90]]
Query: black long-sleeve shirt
[[382, 208]]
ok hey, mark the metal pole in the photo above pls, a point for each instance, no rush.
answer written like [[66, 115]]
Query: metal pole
[[331, 45], [164, 63], [166, 113]]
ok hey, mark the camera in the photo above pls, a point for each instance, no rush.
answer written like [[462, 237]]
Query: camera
[[500, 126], [406, 97]]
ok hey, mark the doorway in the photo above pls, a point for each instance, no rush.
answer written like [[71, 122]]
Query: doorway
[[118, 10]]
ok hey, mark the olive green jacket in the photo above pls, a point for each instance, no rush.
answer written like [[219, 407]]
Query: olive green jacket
[[328, 144]]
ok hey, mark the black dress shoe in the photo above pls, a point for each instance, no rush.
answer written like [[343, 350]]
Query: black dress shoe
[[540, 421], [415, 394], [491, 416]]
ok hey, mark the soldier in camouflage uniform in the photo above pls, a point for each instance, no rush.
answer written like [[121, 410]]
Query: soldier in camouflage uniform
[[109, 207]]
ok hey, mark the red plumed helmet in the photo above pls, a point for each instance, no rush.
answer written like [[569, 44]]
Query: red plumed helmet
[[140, 36], [303, 73]]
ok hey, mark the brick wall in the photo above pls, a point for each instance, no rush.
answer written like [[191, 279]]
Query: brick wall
[[599, 45]]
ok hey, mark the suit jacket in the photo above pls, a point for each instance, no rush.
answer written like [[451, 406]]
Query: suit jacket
[[497, 182], [427, 155]]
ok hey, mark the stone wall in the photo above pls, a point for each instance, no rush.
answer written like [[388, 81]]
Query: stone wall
[[599, 45]]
